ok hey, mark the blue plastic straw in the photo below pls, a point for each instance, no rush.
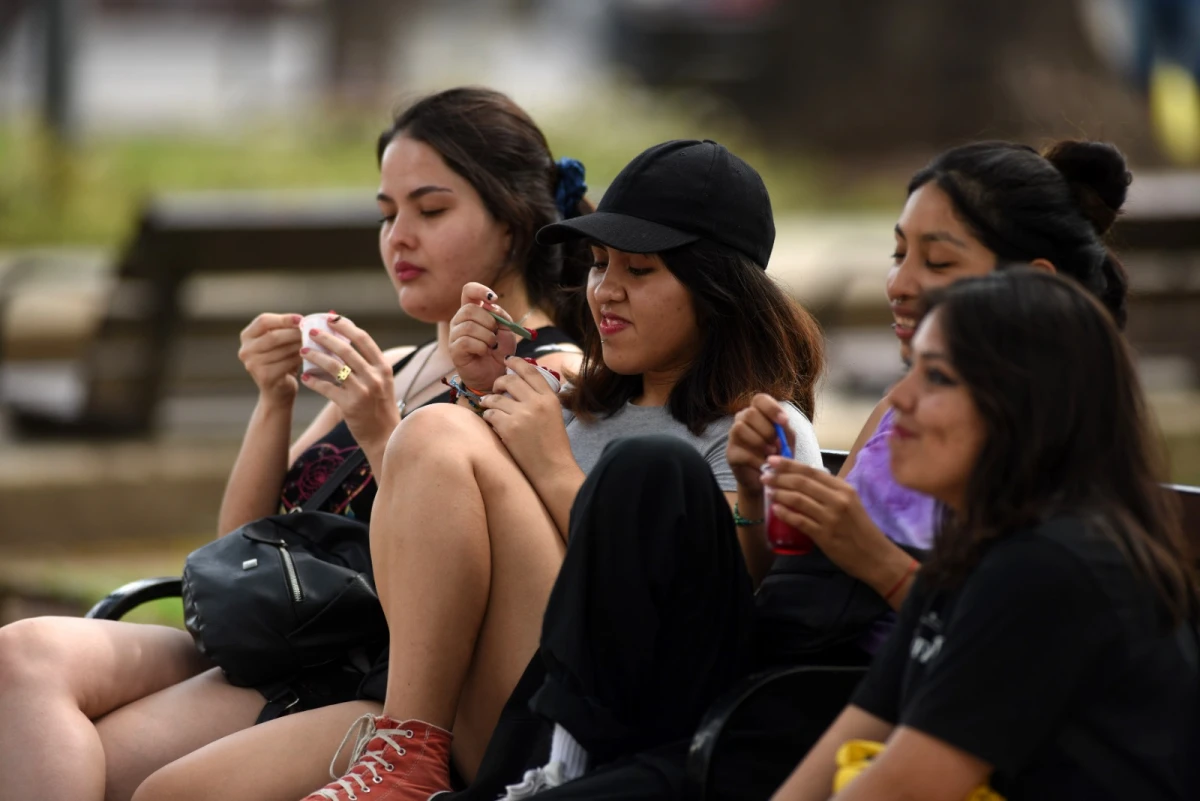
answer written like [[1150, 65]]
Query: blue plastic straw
[[785, 450]]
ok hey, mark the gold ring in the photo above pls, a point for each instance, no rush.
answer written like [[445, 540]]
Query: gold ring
[[343, 374]]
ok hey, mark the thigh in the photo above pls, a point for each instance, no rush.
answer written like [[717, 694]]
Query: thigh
[[141, 737], [101, 664], [526, 555], [282, 760]]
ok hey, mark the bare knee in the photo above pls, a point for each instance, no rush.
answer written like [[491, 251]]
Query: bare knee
[[432, 427], [32, 652]]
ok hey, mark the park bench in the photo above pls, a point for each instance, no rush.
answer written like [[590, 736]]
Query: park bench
[[149, 340], [325, 239], [820, 691]]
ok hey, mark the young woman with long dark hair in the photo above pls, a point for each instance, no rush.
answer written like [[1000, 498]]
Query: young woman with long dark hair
[[91, 707], [1050, 646], [972, 210]]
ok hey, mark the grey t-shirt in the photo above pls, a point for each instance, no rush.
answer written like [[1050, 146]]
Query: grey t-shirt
[[588, 439]]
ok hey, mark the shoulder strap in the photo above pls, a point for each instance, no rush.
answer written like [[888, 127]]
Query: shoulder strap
[[334, 481]]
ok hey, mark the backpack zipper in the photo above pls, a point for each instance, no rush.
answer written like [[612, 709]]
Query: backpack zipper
[[289, 567]]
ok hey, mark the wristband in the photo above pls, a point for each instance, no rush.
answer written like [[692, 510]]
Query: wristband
[[738, 520], [912, 568]]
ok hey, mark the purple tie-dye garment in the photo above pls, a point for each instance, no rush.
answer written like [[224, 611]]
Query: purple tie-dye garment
[[906, 517]]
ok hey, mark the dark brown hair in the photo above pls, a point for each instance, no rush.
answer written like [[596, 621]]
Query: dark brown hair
[[1068, 432], [754, 338], [1057, 206], [490, 141]]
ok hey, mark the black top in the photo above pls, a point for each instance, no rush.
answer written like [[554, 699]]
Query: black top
[[356, 496], [1051, 664]]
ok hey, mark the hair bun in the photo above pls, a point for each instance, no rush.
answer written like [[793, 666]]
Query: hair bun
[[1098, 177]]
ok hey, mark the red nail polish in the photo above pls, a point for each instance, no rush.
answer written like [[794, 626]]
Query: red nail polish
[[304, 350], [314, 332]]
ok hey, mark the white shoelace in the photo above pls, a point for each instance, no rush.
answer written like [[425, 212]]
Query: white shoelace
[[363, 731]]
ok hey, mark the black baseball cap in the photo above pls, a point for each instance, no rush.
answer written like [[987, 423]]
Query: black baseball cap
[[674, 194]]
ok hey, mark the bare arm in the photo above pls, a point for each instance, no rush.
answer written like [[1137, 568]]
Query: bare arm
[[254, 484], [253, 487], [557, 489], [270, 352], [813, 779], [917, 767], [753, 538]]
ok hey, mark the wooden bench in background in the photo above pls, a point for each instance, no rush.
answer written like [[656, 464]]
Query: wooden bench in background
[[326, 244], [156, 336]]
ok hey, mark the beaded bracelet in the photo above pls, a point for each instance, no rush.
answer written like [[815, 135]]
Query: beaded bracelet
[[738, 520]]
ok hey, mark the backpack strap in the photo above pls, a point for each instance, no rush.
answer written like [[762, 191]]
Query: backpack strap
[[352, 461], [333, 482]]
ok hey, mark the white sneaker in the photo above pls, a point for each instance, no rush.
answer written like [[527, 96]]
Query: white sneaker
[[536, 780]]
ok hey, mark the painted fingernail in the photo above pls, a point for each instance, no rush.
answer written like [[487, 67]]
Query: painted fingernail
[[335, 318], [304, 350], [305, 377], [297, 319], [314, 332], [491, 295]]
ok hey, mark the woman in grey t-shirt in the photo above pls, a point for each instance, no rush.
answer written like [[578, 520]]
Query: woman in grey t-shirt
[[475, 511]]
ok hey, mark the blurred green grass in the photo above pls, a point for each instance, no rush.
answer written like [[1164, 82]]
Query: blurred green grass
[[82, 576], [90, 193]]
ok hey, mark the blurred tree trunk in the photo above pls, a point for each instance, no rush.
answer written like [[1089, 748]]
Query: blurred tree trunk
[[361, 36], [858, 77]]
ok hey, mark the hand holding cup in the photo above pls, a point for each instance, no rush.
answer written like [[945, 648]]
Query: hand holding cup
[[270, 352]]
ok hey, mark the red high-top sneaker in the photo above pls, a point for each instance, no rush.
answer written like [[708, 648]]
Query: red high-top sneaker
[[391, 761]]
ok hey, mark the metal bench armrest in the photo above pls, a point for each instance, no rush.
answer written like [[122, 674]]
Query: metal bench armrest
[[123, 599], [709, 733]]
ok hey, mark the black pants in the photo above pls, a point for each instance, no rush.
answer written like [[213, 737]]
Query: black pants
[[652, 615], [650, 619]]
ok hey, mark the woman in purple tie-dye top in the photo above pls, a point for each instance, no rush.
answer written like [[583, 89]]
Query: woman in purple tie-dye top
[[974, 209]]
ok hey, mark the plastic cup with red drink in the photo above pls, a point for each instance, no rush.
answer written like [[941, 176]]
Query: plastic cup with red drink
[[784, 539]]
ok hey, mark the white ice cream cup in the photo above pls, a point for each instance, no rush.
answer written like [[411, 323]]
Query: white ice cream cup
[[321, 323], [555, 384]]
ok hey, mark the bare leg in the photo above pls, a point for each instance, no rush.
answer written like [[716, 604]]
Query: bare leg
[[278, 761], [57, 675], [465, 556], [141, 737]]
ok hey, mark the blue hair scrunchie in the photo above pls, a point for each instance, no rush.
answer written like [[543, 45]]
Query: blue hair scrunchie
[[570, 188]]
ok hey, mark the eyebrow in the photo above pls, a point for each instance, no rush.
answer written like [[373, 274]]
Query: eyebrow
[[934, 236], [934, 355], [419, 192]]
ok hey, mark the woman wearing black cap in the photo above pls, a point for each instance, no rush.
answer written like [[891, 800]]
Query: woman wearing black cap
[[479, 501]]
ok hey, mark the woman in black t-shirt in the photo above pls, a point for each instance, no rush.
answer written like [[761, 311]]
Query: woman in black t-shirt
[[1049, 648], [90, 708]]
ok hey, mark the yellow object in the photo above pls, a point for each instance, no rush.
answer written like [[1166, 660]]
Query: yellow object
[[855, 756], [343, 374], [1175, 113]]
